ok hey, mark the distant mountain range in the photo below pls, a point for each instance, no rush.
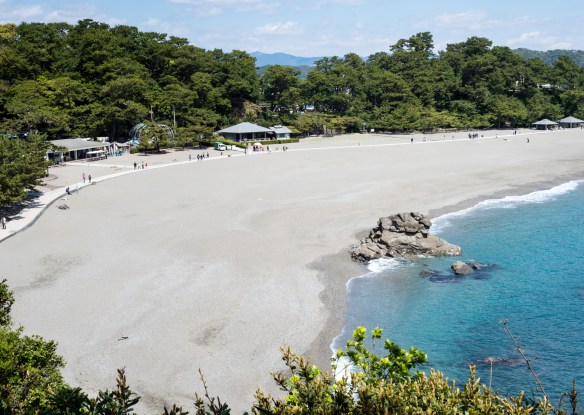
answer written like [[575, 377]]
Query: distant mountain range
[[549, 57], [264, 59]]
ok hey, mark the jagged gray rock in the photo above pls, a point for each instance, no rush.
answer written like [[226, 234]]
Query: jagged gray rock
[[404, 235]]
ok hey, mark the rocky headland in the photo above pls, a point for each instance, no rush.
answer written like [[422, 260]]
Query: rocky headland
[[403, 235]]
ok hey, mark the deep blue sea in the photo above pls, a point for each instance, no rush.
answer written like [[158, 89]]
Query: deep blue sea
[[533, 247]]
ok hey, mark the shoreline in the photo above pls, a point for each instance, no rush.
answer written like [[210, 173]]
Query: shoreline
[[336, 271], [234, 258]]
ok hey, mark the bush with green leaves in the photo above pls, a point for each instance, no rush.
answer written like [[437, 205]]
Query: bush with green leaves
[[383, 385]]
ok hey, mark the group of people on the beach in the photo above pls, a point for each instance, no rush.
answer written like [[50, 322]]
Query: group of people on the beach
[[473, 136], [84, 177], [140, 166], [201, 157]]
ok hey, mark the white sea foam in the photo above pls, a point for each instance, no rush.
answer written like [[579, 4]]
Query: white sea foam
[[383, 264], [508, 202]]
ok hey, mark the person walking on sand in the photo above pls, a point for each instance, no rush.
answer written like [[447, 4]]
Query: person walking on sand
[[89, 178], [3, 222], [135, 165], [68, 191], [83, 175]]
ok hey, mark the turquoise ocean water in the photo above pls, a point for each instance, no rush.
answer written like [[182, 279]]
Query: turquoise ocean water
[[533, 247]]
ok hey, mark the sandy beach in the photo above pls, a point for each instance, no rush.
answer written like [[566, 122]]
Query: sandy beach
[[217, 264]]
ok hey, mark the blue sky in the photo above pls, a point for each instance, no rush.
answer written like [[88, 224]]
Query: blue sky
[[323, 27]]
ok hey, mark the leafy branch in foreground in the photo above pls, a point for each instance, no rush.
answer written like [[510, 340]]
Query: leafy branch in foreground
[[383, 385]]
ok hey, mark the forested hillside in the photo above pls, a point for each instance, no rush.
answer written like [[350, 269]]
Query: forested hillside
[[551, 56], [91, 79]]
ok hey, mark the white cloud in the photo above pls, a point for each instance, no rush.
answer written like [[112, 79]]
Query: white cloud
[[278, 29], [151, 22], [539, 40], [479, 20], [214, 7], [22, 13]]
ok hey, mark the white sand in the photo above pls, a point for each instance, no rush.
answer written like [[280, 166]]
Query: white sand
[[215, 265]]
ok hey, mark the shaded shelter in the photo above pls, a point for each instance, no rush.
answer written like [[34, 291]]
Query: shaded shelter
[[570, 122], [282, 132], [246, 131], [75, 149], [545, 124]]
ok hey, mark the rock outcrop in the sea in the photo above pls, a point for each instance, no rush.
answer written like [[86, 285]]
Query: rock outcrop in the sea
[[461, 268], [405, 235]]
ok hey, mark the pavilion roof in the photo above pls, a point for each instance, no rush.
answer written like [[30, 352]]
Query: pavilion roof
[[244, 128], [570, 120], [545, 121], [72, 144], [281, 129]]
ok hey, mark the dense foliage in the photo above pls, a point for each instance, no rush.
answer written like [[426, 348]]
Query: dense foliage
[[22, 166], [91, 79]]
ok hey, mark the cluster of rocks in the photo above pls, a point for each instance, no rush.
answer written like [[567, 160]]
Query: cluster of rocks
[[404, 235], [462, 268]]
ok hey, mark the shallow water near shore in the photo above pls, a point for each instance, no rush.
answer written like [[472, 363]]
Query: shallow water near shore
[[531, 247]]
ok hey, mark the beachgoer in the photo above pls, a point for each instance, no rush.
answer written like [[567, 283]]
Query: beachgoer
[[89, 178], [67, 190], [207, 154], [83, 175], [135, 165], [189, 157], [412, 140], [528, 139], [142, 165], [3, 221]]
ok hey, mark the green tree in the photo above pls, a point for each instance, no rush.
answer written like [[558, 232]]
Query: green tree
[[6, 301], [566, 74], [507, 111], [154, 137], [280, 87], [22, 166], [542, 105], [29, 365], [30, 109]]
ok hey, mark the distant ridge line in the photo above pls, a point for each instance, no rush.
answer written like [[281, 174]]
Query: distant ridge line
[[286, 59]]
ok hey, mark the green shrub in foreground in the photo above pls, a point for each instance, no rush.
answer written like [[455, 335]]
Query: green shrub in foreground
[[384, 385]]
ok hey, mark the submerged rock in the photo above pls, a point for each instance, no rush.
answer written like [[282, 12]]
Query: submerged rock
[[405, 235], [461, 268]]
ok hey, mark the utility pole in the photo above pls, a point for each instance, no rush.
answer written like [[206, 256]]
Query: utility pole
[[151, 114], [174, 117]]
